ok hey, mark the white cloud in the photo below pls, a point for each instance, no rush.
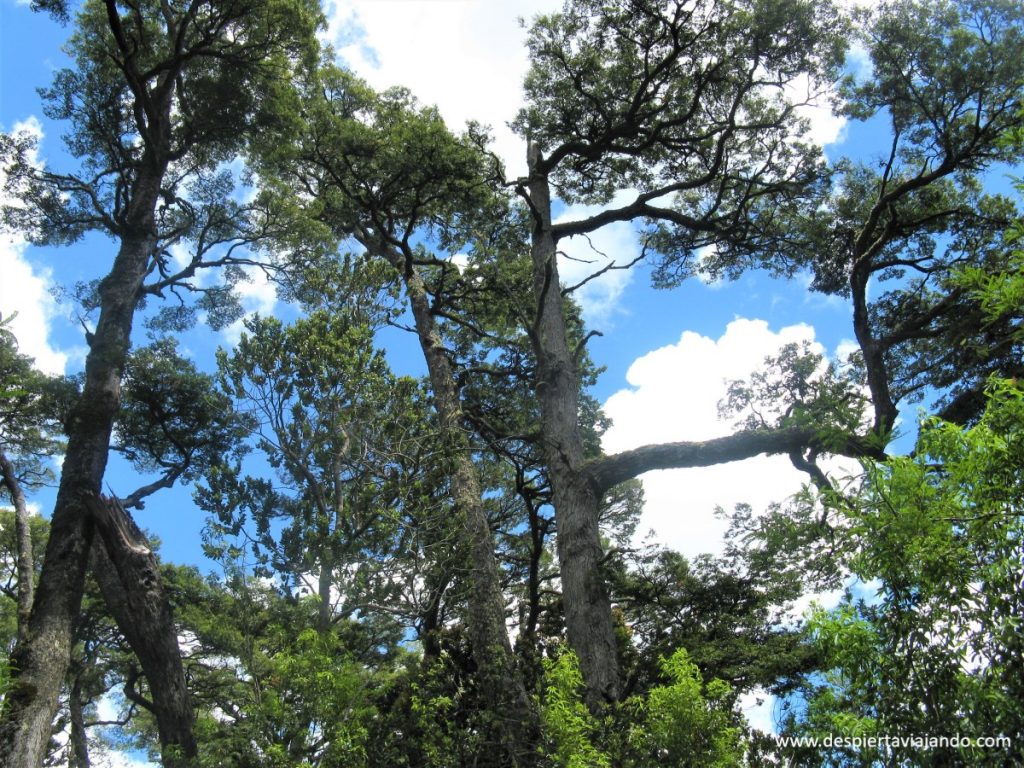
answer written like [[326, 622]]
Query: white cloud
[[758, 706], [580, 257], [258, 296], [825, 126], [25, 291], [844, 349], [465, 56], [858, 62], [108, 707], [673, 396]]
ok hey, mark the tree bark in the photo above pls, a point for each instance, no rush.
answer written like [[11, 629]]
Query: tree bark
[[875, 366], [499, 678], [608, 471], [585, 600], [41, 661], [23, 535], [79, 757], [129, 577]]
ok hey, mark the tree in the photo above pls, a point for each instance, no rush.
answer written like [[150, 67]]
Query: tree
[[683, 103], [173, 420], [28, 439], [682, 722], [159, 97], [604, 115], [919, 216], [385, 172], [936, 650], [270, 688], [730, 615], [332, 523]]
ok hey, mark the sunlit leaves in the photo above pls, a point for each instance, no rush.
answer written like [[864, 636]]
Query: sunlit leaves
[[937, 650]]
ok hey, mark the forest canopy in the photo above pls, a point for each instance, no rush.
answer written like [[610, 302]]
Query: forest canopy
[[355, 353]]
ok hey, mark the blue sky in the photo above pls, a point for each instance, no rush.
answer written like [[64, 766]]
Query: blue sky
[[667, 353]]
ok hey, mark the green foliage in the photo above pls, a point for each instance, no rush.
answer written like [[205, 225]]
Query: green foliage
[[314, 680], [444, 714], [965, 89], [8, 568], [999, 289], [682, 722], [271, 690], [570, 729], [382, 166], [316, 390], [213, 63], [688, 723], [937, 651], [798, 388], [912, 219], [30, 413], [732, 613], [643, 95], [172, 420]]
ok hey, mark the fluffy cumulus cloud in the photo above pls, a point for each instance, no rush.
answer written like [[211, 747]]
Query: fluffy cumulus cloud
[[24, 290], [467, 57], [758, 707], [673, 395]]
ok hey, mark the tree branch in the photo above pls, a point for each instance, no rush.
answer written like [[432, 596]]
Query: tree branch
[[608, 471]]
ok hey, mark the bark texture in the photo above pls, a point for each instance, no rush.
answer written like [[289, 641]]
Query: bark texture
[[585, 600], [500, 680], [23, 535], [129, 577], [41, 661], [609, 471]]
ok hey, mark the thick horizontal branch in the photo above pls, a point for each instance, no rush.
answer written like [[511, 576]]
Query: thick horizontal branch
[[608, 471]]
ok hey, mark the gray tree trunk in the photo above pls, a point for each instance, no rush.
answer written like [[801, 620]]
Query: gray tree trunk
[[585, 601], [129, 577], [23, 535], [500, 681], [41, 662], [79, 757]]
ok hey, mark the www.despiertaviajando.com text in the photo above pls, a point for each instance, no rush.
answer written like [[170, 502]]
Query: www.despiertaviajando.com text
[[889, 742]]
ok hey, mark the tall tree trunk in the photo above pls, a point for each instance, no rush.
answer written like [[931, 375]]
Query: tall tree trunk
[[129, 577], [41, 662], [875, 366], [585, 601], [499, 678], [79, 757], [23, 534]]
